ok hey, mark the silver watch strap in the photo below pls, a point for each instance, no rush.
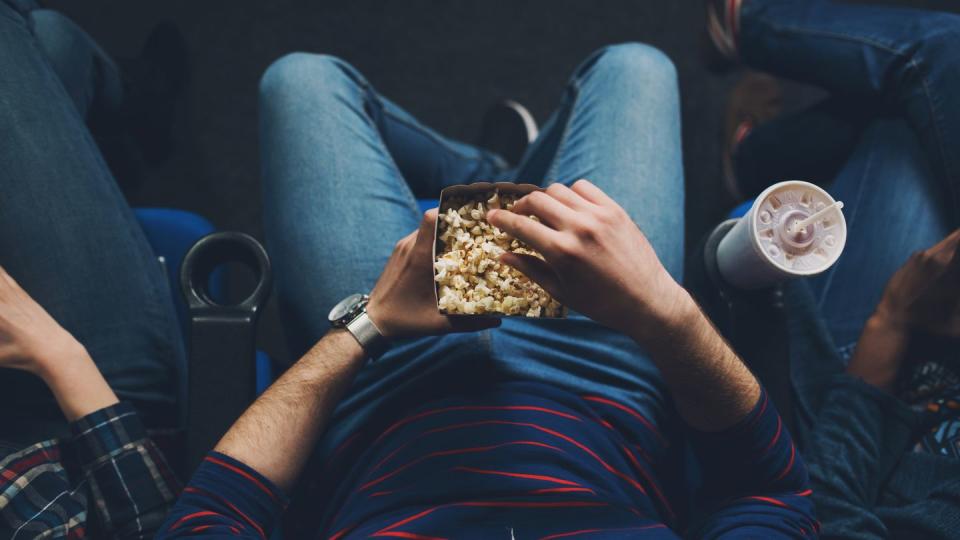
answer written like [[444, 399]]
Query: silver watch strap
[[368, 335]]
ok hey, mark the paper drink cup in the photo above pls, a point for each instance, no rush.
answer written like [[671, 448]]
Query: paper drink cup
[[766, 246]]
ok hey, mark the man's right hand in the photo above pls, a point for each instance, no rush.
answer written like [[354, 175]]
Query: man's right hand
[[597, 261]]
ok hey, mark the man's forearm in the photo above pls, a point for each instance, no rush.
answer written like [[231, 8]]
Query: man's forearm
[[277, 433], [710, 385]]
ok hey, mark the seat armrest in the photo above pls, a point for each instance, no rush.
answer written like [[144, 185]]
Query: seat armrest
[[221, 379]]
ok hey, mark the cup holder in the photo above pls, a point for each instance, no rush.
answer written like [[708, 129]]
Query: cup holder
[[218, 249]]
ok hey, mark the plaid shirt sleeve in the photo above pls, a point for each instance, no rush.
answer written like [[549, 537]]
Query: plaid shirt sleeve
[[131, 486]]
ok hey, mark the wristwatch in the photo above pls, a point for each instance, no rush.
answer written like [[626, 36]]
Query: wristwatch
[[351, 313]]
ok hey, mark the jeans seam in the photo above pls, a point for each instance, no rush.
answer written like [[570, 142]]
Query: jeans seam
[[571, 104], [822, 33], [405, 186]]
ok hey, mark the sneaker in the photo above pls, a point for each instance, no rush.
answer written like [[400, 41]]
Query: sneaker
[[507, 129], [723, 26], [755, 100]]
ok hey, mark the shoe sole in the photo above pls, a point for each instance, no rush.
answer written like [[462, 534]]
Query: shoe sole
[[529, 123]]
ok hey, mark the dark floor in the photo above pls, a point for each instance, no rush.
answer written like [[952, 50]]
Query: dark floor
[[444, 60]]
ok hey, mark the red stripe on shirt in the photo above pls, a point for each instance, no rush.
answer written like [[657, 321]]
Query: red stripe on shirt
[[630, 480], [342, 532], [406, 520], [432, 412], [544, 478], [653, 484], [776, 437], [244, 474], [793, 456], [763, 407], [642, 419], [230, 505], [770, 500], [453, 452], [195, 515]]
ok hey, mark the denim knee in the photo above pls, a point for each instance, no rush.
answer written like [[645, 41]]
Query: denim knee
[[59, 37], [940, 46], [635, 62], [299, 72]]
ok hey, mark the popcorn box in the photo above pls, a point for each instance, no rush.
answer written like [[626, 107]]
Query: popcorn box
[[526, 296]]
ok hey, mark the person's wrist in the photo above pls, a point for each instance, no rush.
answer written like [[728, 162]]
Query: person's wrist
[[674, 313], [879, 353], [380, 318], [58, 360], [886, 320]]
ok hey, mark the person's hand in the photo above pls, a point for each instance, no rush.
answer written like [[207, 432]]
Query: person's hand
[[924, 294], [596, 260], [403, 302], [30, 339]]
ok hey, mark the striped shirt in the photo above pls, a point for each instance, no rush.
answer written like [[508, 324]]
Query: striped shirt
[[524, 461]]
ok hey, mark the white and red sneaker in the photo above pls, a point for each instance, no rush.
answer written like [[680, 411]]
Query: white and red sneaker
[[723, 27]]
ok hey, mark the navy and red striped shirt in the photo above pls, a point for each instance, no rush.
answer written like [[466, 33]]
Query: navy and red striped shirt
[[524, 461]]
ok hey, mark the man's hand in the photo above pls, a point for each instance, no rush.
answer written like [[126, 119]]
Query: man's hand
[[403, 303], [597, 261], [923, 296], [31, 340]]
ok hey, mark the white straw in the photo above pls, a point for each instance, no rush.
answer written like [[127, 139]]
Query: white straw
[[801, 225]]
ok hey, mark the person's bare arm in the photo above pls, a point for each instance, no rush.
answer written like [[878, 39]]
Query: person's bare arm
[[276, 434], [598, 262], [31, 340], [105, 432], [711, 386]]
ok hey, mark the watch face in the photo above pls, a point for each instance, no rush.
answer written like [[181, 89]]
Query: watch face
[[344, 307]]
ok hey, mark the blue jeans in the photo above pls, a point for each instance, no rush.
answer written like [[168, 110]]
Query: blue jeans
[[66, 233], [901, 183], [341, 169]]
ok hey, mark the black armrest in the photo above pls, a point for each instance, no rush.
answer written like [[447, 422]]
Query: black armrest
[[222, 365]]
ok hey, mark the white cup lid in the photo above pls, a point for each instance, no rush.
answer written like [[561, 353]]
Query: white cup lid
[[807, 250]]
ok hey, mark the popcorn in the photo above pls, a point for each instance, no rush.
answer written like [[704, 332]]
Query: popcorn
[[470, 278]]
